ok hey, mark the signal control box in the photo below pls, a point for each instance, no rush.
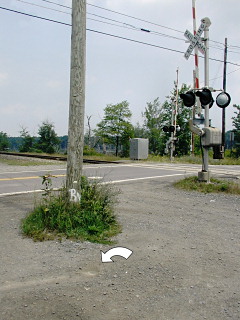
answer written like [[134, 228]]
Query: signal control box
[[138, 149], [211, 137]]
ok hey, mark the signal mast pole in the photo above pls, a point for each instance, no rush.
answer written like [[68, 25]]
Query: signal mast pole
[[196, 72], [224, 89], [174, 120], [204, 175]]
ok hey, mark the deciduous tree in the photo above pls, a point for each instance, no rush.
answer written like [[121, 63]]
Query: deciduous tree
[[236, 125], [27, 141], [116, 128], [153, 122], [4, 142], [48, 141], [157, 115]]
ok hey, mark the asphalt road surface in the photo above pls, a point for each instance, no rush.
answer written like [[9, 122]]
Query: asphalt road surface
[[16, 179]]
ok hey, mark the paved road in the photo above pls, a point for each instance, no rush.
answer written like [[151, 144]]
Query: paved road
[[16, 179]]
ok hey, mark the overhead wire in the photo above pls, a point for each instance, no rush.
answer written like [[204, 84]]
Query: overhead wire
[[57, 4], [238, 69], [128, 26], [116, 12], [121, 24], [44, 7], [135, 18], [100, 32], [132, 17], [108, 34], [34, 16]]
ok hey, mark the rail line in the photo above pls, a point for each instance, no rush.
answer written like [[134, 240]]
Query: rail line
[[57, 158]]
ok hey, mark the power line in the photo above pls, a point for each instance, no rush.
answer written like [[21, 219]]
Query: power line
[[96, 31], [39, 6], [132, 17], [34, 16], [227, 74], [57, 4], [111, 35], [126, 25], [123, 24], [116, 12], [156, 24]]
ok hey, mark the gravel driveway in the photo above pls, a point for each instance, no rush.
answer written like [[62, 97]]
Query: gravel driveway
[[185, 263]]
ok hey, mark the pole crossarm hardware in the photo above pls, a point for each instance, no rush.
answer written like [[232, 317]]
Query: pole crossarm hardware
[[195, 129]]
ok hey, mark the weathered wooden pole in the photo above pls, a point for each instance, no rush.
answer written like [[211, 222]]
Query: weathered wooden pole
[[77, 96]]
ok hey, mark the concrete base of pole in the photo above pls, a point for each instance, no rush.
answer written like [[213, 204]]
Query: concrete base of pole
[[204, 176]]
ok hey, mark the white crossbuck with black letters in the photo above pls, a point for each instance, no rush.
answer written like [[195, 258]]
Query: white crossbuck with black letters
[[195, 40]]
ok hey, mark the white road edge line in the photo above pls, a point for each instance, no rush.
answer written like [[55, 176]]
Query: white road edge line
[[106, 182], [24, 192], [144, 178]]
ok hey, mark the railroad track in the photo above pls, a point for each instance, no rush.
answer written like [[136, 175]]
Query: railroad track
[[57, 158]]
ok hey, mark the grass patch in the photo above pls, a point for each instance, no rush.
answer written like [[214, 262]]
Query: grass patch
[[227, 161], [215, 186], [182, 159], [105, 157], [194, 160], [91, 219], [27, 163]]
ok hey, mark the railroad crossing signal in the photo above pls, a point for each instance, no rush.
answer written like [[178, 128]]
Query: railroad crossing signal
[[206, 98], [188, 98], [195, 40], [204, 95], [168, 129], [223, 99]]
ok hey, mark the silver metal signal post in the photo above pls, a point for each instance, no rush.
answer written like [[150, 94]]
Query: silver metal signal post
[[204, 175], [174, 120]]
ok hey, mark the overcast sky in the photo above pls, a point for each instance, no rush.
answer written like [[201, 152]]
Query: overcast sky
[[35, 58]]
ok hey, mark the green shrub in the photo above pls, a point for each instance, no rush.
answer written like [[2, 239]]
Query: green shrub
[[91, 219], [87, 151]]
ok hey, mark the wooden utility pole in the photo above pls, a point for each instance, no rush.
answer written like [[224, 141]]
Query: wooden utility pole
[[77, 96]]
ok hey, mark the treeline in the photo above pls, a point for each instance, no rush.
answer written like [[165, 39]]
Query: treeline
[[114, 132], [15, 144], [47, 142]]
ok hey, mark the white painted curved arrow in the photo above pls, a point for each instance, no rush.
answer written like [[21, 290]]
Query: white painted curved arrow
[[118, 251]]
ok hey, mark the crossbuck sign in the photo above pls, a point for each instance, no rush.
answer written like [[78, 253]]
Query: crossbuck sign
[[195, 40]]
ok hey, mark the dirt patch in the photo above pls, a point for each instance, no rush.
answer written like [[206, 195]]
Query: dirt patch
[[185, 262]]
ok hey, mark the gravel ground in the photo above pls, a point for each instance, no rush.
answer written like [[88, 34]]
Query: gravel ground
[[185, 263]]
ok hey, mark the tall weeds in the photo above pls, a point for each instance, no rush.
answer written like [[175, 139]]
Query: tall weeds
[[91, 219]]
